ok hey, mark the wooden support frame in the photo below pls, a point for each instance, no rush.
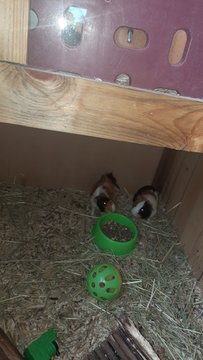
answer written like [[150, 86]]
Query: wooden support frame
[[86, 107]]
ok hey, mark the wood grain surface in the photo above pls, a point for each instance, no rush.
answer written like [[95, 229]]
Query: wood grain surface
[[14, 30], [180, 177], [7, 350], [75, 105]]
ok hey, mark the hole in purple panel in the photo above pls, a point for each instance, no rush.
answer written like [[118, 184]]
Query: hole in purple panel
[[131, 38], [71, 25], [179, 47], [33, 20], [123, 79]]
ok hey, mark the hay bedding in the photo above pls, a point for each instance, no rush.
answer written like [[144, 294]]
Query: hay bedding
[[46, 252]]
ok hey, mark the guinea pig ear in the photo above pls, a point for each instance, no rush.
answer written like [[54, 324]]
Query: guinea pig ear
[[113, 207], [113, 179]]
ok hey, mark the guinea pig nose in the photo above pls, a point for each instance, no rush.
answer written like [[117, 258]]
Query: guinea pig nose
[[113, 207]]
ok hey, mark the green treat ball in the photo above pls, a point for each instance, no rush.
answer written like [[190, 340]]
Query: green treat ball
[[104, 282]]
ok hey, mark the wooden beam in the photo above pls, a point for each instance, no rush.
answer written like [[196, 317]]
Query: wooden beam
[[75, 105], [7, 350], [14, 30]]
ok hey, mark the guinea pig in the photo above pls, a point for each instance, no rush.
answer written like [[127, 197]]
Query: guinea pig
[[103, 194], [145, 202]]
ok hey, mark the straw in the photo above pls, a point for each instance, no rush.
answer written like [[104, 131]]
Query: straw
[[46, 252]]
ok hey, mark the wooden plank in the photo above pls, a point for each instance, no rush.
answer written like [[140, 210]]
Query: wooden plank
[[182, 177], [185, 183], [188, 218], [192, 237], [75, 105], [189, 206], [3, 356], [163, 171], [14, 30], [173, 168], [7, 350], [125, 347]]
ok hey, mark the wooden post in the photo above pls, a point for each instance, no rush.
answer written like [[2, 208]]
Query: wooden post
[[14, 30], [7, 350]]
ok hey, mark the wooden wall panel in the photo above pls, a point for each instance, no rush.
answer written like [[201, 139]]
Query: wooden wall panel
[[178, 174], [190, 198], [162, 173], [192, 233], [182, 183], [53, 159], [14, 30], [169, 166]]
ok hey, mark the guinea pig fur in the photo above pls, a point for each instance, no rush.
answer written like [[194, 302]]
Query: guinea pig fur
[[103, 194], [145, 202]]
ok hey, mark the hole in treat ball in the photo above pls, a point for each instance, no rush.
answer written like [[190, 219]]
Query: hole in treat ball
[[94, 274], [116, 231], [101, 285], [94, 293], [110, 290], [109, 277], [93, 284], [102, 268]]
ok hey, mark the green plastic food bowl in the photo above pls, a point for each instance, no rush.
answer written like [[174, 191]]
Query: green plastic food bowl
[[104, 242]]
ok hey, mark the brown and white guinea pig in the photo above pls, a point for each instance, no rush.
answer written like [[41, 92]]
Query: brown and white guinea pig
[[145, 202], [103, 194]]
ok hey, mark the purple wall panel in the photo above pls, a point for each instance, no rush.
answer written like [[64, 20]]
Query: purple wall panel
[[97, 56]]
